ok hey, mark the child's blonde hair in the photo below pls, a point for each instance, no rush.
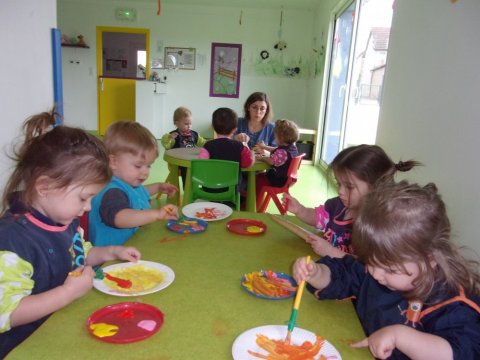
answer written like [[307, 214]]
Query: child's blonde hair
[[64, 154], [286, 130], [404, 222], [180, 113], [129, 137]]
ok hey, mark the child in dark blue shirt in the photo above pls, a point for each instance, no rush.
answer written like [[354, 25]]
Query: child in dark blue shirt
[[416, 297]]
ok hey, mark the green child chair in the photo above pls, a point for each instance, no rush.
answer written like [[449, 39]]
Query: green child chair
[[218, 175]]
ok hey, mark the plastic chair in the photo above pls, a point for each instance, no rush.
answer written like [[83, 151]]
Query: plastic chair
[[215, 174], [270, 192], [84, 225]]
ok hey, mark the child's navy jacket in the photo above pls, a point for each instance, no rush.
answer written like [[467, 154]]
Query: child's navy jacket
[[458, 321]]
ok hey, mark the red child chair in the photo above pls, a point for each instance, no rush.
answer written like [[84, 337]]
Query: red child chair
[[84, 225], [271, 192]]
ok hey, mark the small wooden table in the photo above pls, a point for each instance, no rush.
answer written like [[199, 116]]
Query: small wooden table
[[183, 156]]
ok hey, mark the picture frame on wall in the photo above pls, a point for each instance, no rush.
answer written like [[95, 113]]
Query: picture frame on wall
[[225, 70], [180, 58]]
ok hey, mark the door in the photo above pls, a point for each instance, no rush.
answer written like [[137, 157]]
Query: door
[[358, 59], [122, 55]]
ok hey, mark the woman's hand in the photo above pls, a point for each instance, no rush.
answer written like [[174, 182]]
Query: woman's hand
[[260, 147], [242, 137]]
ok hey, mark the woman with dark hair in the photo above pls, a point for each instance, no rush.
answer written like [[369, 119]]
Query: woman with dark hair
[[255, 128]]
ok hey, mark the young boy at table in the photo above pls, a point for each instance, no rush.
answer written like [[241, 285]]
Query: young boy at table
[[183, 136], [121, 207], [223, 147]]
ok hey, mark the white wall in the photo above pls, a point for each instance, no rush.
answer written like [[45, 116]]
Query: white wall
[[198, 27], [430, 109], [26, 86]]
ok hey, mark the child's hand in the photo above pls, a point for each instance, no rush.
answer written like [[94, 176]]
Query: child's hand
[[259, 148], [291, 203], [79, 282], [168, 212], [127, 253], [173, 135], [168, 189], [381, 343], [303, 271]]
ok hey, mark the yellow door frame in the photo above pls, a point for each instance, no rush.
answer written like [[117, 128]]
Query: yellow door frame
[[122, 88]]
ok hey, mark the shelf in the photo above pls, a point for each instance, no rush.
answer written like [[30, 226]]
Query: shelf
[[76, 46]]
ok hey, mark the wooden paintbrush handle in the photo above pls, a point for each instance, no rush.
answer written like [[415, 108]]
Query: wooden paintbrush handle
[[294, 228]]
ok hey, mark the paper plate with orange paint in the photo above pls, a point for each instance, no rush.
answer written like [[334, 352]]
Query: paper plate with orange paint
[[125, 322], [247, 341]]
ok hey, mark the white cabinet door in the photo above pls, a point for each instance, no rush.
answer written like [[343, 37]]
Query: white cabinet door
[[149, 106]]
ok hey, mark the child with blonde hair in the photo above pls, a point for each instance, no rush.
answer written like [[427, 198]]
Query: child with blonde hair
[[416, 296], [58, 171], [123, 205], [357, 170], [183, 136], [286, 135]]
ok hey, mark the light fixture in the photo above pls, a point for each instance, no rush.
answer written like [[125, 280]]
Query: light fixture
[[125, 14]]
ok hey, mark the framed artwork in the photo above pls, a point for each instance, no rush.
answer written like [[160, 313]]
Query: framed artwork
[[179, 58], [225, 70]]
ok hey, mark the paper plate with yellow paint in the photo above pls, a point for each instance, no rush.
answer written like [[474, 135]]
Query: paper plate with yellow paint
[[146, 276]]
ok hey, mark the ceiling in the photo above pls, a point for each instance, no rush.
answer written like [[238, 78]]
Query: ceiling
[[270, 4]]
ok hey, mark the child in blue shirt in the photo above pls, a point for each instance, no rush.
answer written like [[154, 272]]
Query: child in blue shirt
[[123, 205], [416, 296]]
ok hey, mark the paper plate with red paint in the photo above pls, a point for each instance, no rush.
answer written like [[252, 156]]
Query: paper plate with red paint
[[125, 322], [208, 211], [246, 227], [186, 225]]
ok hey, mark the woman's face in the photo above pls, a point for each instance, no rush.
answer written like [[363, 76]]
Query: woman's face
[[257, 110]]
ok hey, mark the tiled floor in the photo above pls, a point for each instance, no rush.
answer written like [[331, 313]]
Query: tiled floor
[[311, 189]]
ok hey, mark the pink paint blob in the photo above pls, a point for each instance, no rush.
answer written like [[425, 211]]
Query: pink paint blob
[[148, 325]]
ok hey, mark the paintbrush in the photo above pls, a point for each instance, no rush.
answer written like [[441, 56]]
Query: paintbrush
[[296, 305]]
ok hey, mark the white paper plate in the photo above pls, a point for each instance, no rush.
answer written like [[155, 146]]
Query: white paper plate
[[247, 341], [168, 277], [217, 210]]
